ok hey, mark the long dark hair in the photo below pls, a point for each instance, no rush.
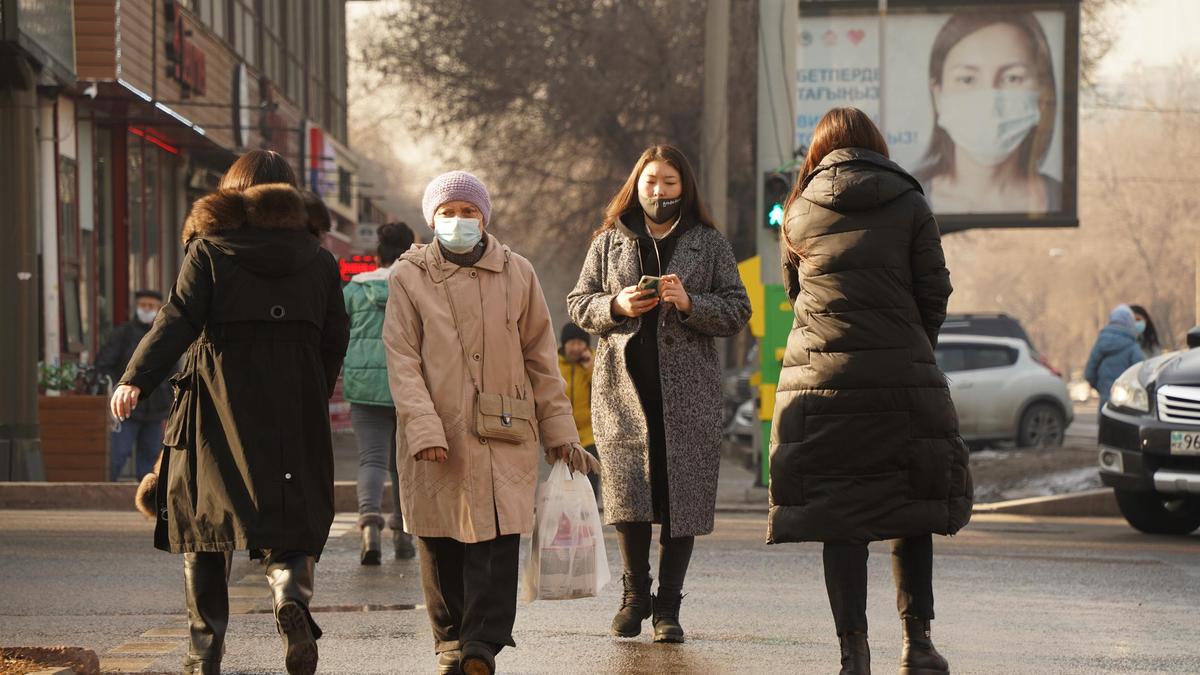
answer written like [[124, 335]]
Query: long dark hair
[[939, 158], [1149, 338], [839, 128], [626, 199], [257, 167]]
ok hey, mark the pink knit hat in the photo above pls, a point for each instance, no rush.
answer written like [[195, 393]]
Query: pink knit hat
[[455, 186]]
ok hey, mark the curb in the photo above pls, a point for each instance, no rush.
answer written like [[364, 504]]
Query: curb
[[1098, 503]]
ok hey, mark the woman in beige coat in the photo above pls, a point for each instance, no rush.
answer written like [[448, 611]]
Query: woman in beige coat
[[473, 368]]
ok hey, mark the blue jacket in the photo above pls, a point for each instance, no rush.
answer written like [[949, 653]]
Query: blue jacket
[[1114, 352], [364, 374]]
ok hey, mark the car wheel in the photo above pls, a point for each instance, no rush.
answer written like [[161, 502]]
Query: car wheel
[[1042, 426], [1153, 513]]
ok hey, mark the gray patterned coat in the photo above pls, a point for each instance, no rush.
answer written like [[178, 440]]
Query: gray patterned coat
[[689, 367]]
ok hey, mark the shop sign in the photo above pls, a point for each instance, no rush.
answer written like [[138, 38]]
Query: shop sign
[[185, 60], [356, 264]]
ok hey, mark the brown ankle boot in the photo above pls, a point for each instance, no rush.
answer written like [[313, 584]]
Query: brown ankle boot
[[919, 656]]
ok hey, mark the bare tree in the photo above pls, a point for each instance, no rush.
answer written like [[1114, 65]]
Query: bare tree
[[550, 100], [1098, 33]]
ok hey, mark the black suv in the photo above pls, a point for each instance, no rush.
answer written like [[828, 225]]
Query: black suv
[[1150, 442]]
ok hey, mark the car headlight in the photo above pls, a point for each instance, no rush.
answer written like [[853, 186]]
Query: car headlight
[[1128, 392]]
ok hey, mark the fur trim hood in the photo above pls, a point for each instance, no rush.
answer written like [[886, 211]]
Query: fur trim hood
[[273, 206], [265, 229]]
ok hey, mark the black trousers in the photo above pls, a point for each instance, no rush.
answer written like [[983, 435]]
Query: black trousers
[[470, 590], [846, 581], [675, 553]]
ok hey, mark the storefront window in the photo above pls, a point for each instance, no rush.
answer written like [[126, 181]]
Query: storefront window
[[104, 231], [152, 257], [69, 254], [136, 214]]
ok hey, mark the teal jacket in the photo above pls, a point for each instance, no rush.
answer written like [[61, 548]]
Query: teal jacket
[[364, 374]]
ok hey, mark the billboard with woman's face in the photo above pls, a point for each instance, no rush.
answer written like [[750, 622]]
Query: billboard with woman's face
[[978, 103]]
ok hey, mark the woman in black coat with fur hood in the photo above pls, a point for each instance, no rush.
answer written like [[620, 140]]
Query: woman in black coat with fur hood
[[257, 314]]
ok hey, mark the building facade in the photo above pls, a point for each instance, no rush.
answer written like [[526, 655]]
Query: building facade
[[115, 116], [169, 93]]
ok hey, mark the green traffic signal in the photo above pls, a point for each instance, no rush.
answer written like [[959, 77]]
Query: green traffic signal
[[775, 215]]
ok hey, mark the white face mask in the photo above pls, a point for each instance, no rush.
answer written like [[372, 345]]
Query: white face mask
[[458, 235], [989, 123], [147, 315]]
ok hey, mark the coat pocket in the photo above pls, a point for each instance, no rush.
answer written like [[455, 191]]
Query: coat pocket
[[504, 418], [181, 419]]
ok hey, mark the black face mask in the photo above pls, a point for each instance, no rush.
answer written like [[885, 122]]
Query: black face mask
[[661, 210]]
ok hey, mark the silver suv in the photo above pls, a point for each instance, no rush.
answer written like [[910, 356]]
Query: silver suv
[[1003, 391]]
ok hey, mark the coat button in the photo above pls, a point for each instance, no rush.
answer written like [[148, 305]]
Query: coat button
[[476, 357], [483, 441], [287, 476], [474, 274]]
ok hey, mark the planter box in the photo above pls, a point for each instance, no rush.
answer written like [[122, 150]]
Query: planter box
[[75, 438]]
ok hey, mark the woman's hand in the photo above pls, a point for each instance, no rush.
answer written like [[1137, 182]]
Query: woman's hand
[[674, 293], [124, 400], [633, 303], [438, 455], [576, 458]]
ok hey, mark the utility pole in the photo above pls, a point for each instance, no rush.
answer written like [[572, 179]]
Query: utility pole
[[20, 447], [714, 131], [776, 140]]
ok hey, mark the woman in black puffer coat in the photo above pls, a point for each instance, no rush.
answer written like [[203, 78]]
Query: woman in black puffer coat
[[865, 444]]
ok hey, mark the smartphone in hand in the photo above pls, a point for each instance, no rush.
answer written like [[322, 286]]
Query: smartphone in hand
[[649, 283]]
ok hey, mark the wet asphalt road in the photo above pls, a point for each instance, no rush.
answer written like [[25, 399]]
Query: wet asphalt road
[[1014, 595]]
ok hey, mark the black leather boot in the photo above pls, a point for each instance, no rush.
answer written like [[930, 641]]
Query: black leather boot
[[856, 654], [919, 656], [636, 606], [206, 588], [402, 543], [372, 552], [290, 576], [666, 618]]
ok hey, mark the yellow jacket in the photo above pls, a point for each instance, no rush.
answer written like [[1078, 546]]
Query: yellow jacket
[[579, 390]]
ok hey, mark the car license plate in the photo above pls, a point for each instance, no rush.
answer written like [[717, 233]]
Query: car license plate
[[1185, 442]]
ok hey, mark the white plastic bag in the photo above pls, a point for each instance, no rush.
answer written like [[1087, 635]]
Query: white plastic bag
[[567, 559]]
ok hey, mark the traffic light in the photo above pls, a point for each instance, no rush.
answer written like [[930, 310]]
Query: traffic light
[[776, 185]]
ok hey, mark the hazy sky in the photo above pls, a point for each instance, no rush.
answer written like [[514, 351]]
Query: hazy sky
[[1155, 32]]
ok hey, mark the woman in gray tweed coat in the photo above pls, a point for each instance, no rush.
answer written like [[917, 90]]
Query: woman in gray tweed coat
[[656, 387]]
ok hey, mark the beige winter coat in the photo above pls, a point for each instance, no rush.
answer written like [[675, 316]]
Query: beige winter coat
[[506, 329]]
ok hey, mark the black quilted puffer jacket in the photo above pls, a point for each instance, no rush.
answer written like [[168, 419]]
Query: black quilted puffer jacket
[[864, 444]]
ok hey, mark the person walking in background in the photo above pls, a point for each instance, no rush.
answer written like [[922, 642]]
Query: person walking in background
[[1115, 350], [142, 434], [248, 464], [864, 439], [1147, 332], [365, 386], [471, 362], [657, 405], [575, 364]]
